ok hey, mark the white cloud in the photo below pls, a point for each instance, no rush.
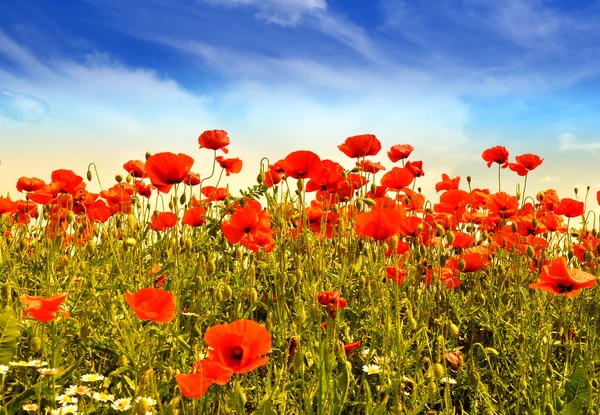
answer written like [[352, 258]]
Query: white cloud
[[281, 12], [568, 142], [22, 107]]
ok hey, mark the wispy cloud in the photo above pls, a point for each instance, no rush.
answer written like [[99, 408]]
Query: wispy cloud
[[281, 12], [22, 107], [568, 142]]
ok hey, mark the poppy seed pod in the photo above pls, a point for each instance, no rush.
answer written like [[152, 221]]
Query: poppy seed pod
[[148, 154], [118, 178]]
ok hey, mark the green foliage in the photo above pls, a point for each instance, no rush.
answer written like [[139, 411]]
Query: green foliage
[[9, 334]]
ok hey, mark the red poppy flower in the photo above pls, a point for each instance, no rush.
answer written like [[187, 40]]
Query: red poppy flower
[[214, 140], [29, 184], [497, 154], [192, 179], [502, 204], [416, 168], [447, 183], [360, 146], [152, 304], [272, 176], [239, 346], [525, 163], [194, 216], [204, 373], [67, 180], [379, 223], [163, 220], [556, 278], [301, 164], [570, 208], [453, 201], [462, 240], [400, 152], [135, 168], [215, 194], [7, 205], [233, 165], [167, 169], [349, 348], [143, 189], [44, 309], [331, 298], [370, 166], [397, 178], [245, 222], [396, 274], [329, 178]]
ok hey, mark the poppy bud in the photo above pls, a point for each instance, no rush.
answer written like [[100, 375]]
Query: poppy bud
[[182, 199], [454, 329], [35, 344], [119, 178], [131, 221], [130, 242], [469, 179], [128, 178], [443, 260], [23, 244], [513, 227], [187, 243], [369, 202], [299, 275], [461, 265], [148, 154], [518, 195], [412, 323], [300, 184], [570, 254], [89, 175], [438, 370], [534, 223], [450, 237], [373, 188], [211, 267], [492, 351], [588, 257], [439, 230], [70, 216], [529, 251]]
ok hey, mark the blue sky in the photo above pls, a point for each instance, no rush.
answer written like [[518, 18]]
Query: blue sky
[[105, 80]]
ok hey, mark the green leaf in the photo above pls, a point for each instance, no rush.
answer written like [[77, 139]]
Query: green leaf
[[266, 408], [572, 408], [9, 333], [577, 387]]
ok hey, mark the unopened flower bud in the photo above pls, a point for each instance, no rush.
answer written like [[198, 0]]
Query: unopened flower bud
[[119, 178]]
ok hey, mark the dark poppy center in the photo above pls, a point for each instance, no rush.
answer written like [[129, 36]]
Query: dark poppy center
[[565, 288], [237, 353], [247, 229]]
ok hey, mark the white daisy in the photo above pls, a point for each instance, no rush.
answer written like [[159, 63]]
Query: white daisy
[[122, 404], [371, 369], [93, 377]]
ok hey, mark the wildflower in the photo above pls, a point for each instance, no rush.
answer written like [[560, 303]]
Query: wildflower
[[167, 169], [233, 165], [92, 377], [44, 309], [66, 399], [3, 369], [497, 154], [381, 360], [239, 346], [360, 146], [135, 168], [301, 164], [448, 380], [204, 373], [66, 409], [400, 152], [349, 348], [20, 363], [371, 369], [447, 183], [102, 397], [397, 178], [122, 404], [30, 407], [556, 278], [194, 216], [78, 390], [365, 352], [525, 163], [36, 363], [379, 223], [214, 140], [49, 371], [163, 220], [152, 304], [570, 208]]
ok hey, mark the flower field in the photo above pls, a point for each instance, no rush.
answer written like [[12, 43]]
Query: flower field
[[319, 290]]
